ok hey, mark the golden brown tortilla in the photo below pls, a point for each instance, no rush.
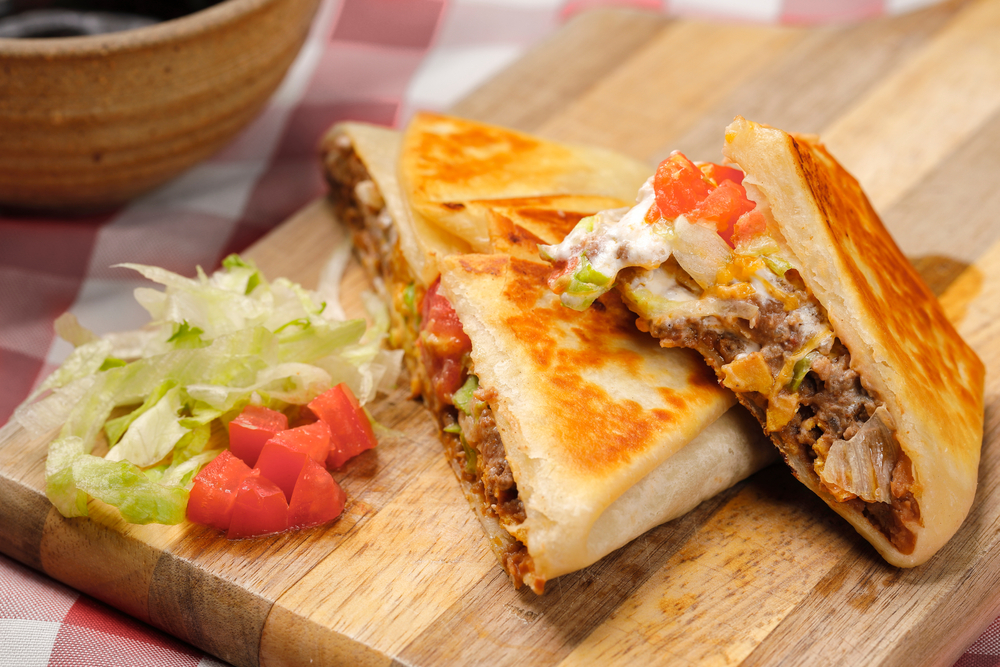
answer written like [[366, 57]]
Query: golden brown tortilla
[[447, 162], [607, 435], [901, 343]]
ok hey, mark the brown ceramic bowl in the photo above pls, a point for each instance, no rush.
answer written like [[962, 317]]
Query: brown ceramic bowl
[[90, 122]]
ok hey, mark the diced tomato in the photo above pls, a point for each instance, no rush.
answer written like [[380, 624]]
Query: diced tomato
[[440, 318], [709, 191], [282, 464], [447, 378], [284, 455], [251, 429], [260, 508], [723, 206], [749, 225], [679, 185], [317, 497], [443, 344], [313, 439], [719, 173], [215, 489], [350, 431]]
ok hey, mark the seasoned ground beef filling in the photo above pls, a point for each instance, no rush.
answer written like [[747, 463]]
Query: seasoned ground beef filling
[[832, 403], [492, 469], [491, 480]]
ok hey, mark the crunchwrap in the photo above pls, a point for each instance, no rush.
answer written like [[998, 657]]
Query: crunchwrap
[[571, 433], [776, 268]]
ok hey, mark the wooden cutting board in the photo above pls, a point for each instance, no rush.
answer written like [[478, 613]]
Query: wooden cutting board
[[761, 574]]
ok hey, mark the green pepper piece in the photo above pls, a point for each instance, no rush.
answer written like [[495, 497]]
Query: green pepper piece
[[799, 371], [452, 428], [463, 397], [470, 457]]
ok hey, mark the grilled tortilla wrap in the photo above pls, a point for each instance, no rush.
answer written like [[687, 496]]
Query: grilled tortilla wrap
[[604, 436], [564, 499], [813, 316], [447, 162]]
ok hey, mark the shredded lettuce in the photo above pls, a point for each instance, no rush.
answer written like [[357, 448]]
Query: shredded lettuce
[[153, 434], [155, 396]]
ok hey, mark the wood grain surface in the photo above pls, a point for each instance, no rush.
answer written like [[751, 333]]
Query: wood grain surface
[[762, 574]]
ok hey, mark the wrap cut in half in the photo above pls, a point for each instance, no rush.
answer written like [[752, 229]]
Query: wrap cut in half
[[604, 436], [570, 433], [775, 267]]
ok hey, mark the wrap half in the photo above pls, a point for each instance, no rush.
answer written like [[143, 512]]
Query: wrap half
[[776, 268], [571, 433]]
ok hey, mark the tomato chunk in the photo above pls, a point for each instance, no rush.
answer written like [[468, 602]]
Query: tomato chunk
[[215, 490], [260, 508], [723, 206], [251, 429], [317, 497], [679, 185], [313, 439], [443, 344], [749, 225], [284, 455], [350, 431], [719, 173], [281, 464], [709, 191]]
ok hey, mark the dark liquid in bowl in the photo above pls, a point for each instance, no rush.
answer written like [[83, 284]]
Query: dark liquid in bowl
[[75, 18]]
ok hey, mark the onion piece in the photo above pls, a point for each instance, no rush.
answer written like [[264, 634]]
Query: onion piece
[[863, 465], [700, 251]]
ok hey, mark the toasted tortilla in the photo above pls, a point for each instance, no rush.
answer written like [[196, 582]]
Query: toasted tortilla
[[671, 447], [447, 162], [901, 344], [606, 434]]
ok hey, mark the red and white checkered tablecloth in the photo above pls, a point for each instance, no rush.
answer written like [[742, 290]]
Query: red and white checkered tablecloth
[[370, 60]]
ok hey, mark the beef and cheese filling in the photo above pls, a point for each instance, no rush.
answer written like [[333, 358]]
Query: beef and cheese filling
[[695, 261], [437, 356]]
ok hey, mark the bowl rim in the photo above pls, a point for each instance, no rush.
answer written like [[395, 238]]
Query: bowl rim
[[165, 32]]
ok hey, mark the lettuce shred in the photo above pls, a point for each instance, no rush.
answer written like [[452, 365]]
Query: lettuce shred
[[158, 397]]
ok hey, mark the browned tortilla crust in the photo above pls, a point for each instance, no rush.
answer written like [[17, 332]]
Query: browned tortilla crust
[[447, 163], [564, 347], [905, 350], [589, 410]]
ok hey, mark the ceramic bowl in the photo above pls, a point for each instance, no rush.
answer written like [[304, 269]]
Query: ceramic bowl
[[91, 122]]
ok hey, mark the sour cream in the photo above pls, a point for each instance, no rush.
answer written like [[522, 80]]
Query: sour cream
[[618, 238]]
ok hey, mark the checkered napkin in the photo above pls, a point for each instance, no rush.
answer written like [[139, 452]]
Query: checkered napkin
[[369, 60]]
